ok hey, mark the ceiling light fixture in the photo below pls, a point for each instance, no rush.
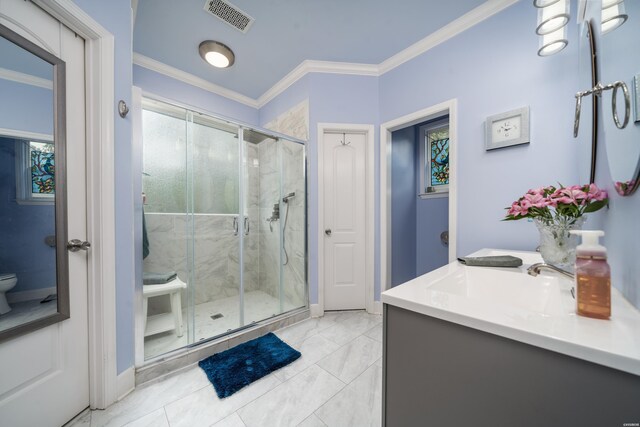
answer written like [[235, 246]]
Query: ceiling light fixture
[[553, 16], [217, 54], [613, 15]]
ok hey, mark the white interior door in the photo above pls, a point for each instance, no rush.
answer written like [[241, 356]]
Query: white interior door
[[344, 183], [44, 375]]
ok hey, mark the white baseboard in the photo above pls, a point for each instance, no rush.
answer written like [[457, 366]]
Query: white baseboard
[[377, 307], [126, 382], [39, 294], [316, 310]]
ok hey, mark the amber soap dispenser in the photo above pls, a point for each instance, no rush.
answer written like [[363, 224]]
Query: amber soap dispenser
[[593, 276]]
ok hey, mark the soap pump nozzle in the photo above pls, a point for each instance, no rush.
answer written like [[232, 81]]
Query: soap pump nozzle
[[590, 241]]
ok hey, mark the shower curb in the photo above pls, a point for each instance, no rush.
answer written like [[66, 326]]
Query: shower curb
[[171, 363]]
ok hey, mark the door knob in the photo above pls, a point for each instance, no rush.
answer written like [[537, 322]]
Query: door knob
[[75, 245], [327, 232]]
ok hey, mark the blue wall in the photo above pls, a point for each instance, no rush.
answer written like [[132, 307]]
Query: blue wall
[[22, 231], [491, 68], [403, 205], [432, 218]]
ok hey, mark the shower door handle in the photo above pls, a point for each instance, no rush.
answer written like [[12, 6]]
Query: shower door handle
[[246, 226], [235, 225]]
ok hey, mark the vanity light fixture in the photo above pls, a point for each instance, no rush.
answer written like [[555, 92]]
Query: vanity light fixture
[[553, 16], [553, 42], [217, 54], [613, 15]]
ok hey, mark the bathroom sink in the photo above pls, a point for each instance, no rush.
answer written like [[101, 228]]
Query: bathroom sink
[[507, 288], [539, 311]]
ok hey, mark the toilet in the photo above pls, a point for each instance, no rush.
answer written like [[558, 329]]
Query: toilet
[[7, 282]]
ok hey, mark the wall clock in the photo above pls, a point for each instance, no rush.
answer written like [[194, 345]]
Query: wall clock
[[507, 129]]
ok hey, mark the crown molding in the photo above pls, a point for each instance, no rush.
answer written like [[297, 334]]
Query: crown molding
[[310, 66], [466, 21], [28, 79], [169, 71], [452, 29]]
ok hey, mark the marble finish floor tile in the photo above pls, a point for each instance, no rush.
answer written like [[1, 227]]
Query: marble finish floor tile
[[150, 397], [350, 361], [204, 408], [344, 331], [358, 404], [312, 421], [293, 401], [375, 333], [337, 381], [312, 349], [232, 420], [305, 329], [83, 419], [155, 419]]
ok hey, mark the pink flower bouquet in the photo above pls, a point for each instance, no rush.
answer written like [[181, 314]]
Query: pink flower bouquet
[[552, 205]]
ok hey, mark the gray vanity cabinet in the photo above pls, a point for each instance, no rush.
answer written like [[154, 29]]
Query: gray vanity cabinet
[[437, 373]]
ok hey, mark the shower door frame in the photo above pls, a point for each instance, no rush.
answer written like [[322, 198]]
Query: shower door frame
[[140, 358]]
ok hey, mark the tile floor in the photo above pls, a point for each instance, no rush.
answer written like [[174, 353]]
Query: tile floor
[[258, 306], [336, 382]]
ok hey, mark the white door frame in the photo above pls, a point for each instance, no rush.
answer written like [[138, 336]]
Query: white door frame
[[447, 107], [368, 130], [99, 80]]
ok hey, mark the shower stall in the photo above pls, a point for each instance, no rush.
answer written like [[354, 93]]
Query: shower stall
[[225, 210]]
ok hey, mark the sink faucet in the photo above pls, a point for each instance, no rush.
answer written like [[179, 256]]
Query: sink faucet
[[534, 270]]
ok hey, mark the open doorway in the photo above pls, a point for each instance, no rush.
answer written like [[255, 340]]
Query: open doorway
[[418, 187]]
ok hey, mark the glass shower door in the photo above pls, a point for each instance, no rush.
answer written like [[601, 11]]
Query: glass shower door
[[216, 226]]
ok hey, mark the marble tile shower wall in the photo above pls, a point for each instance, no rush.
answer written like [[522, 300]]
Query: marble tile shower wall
[[270, 257]]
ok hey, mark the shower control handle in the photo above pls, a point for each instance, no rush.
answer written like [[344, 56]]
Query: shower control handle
[[328, 232]]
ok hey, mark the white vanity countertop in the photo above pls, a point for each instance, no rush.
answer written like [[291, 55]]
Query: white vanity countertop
[[535, 310]]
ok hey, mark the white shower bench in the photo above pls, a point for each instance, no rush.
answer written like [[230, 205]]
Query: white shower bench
[[165, 321]]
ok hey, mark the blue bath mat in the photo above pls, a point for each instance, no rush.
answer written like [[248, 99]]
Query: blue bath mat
[[239, 366]]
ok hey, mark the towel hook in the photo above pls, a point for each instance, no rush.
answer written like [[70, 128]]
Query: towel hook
[[344, 138]]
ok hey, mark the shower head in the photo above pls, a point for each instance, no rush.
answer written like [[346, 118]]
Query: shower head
[[288, 196]]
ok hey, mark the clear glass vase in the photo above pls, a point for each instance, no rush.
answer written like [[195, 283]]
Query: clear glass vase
[[557, 245]]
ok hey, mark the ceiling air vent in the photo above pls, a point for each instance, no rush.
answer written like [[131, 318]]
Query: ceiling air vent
[[229, 14]]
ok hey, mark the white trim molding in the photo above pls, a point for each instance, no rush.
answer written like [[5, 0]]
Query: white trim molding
[[24, 78], [99, 81], [457, 26], [126, 382], [309, 66], [369, 131], [448, 107], [183, 76]]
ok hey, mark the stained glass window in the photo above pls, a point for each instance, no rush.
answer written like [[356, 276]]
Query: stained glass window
[[438, 143], [42, 165], [434, 152]]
